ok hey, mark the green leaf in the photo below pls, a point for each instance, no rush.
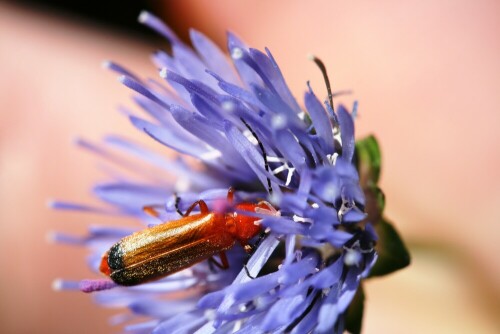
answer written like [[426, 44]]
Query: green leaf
[[369, 160], [354, 315], [392, 253], [375, 203]]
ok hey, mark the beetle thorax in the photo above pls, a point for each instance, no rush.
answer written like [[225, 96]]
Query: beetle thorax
[[245, 226]]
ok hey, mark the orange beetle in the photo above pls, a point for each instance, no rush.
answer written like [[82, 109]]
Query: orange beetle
[[164, 249]]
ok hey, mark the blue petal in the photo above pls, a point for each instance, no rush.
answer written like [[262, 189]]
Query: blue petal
[[204, 130], [329, 275], [346, 133], [131, 195], [159, 308], [177, 166], [192, 86], [307, 324], [142, 89], [292, 273], [159, 26], [120, 70], [290, 148], [172, 140], [192, 67], [281, 225], [248, 151], [280, 84], [321, 121], [236, 91], [237, 49], [328, 313], [349, 289], [209, 110], [281, 313], [247, 291], [213, 57], [141, 327]]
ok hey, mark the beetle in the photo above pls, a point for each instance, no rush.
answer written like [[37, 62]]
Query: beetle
[[164, 249]]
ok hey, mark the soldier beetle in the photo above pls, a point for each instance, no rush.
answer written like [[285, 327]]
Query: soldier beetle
[[166, 248]]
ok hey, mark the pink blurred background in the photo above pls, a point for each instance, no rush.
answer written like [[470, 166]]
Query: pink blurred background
[[427, 77]]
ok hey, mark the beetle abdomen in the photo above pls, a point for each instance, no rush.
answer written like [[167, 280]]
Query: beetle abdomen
[[172, 261]]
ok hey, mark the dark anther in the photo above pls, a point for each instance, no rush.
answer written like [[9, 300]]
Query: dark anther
[[322, 68]]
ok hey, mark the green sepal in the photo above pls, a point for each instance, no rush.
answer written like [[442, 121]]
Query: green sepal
[[354, 313], [392, 252], [368, 161]]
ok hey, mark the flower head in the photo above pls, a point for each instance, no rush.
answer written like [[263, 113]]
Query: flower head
[[238, 119]]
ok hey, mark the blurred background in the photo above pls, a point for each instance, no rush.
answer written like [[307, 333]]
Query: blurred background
[[427, 77]]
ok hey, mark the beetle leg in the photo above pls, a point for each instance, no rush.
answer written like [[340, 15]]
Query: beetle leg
[[230, 195], [223, 259], [203, 208], [224, 264], [249, 249], [150, 210]]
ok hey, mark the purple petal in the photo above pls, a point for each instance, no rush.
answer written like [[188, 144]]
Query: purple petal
[[192, 86], [258, 259], [237, 49], [61, 205], [247, 291], [236, 91], [349, 289], [209, 110], [328, 276], [142, 327], [142, 89], [281, 225], [204, 130], [177, 167], [307, 324], [131, 195], [248, 151], [292, 273], [159, 308], [191, 66], [281, 312], [213, 57], [321, 121], [167, 138], [328, 313], [280, 84], [346, 133], [120, 70], [211, 299], [159, 26], [290, 148]]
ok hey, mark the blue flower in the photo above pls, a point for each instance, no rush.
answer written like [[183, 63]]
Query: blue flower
[[238, 119]]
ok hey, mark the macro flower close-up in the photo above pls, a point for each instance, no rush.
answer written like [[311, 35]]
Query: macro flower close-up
[[250, 166], [255, 169]]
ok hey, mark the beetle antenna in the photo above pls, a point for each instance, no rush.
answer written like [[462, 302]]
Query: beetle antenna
[[264, 154], [322, 68]]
